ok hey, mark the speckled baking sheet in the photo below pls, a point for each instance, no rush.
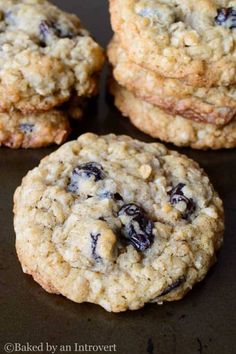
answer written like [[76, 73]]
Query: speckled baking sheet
[[203, 322]]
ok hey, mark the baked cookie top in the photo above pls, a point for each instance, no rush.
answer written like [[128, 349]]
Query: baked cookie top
[[45, 55], [117, 222], [186, 39]]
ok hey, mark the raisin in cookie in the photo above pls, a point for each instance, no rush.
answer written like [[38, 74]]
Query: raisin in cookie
[[174, 129], [117, 222], [215, 105], [184, 39], [45, 55], [33, 130]]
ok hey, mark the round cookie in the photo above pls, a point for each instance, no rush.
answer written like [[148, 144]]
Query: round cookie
[[184, 39], [215, 105], [174, 129], [117, 222], [45, 56], [33, 130]]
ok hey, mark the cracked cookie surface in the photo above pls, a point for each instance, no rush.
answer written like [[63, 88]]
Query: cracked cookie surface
[[184, 39], [117, 222], [45, 56]]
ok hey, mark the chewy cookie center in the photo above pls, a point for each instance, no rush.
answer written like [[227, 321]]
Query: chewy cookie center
[[107, 217], [112, 224]]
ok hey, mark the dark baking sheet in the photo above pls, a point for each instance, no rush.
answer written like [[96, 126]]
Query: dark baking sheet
[[203, 322]]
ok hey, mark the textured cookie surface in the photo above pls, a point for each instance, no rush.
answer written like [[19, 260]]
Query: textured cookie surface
[[216, 105], [117, 222], [33, 130], [174, 129], [45, 55], [187, 39]]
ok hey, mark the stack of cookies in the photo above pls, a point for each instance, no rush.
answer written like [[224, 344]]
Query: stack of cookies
[[174, 65], [49, 65]]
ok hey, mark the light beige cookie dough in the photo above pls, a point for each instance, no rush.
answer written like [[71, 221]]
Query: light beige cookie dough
[[45, 56], [215, 105], [33, 130], [183, 39], [174, 129], [117, 222]]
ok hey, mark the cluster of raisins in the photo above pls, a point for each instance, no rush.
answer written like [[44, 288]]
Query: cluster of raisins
[[138, 229]]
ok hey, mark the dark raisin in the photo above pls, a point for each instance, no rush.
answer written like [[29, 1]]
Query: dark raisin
[[173, 286], [85, 170], [90, 169], [139, 241], [62, 33], [27, 127], [46, 27], [226, 17], [94, 238], [138, 230], [177, 196], [117, 196], [130, 210]]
